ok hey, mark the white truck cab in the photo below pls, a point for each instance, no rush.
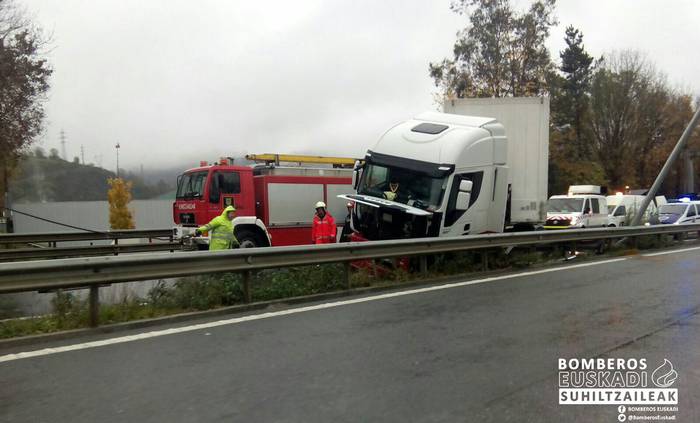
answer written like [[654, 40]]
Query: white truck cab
[[582, 207], [450, 179], [480, 169]]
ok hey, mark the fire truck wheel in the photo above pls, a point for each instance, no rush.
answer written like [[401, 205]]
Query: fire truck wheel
[[249, 239]]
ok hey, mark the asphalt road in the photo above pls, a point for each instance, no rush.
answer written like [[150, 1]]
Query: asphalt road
[[472, 352]]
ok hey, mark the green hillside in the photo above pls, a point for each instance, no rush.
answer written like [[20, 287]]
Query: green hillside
[[40, 178]]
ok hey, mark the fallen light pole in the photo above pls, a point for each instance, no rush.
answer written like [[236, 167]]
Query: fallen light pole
[[680, 145]]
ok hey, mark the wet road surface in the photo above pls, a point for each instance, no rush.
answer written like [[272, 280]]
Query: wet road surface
[[484, 350]]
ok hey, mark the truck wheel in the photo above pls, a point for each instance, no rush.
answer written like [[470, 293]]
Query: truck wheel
[[249, 239]]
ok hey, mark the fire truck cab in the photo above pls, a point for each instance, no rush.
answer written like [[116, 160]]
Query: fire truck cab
[[274, 203]]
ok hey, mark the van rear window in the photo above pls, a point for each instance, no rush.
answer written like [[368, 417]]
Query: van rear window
[[429, 128]]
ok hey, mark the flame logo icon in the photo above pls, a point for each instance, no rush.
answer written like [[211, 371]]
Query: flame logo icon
[[664, 375]]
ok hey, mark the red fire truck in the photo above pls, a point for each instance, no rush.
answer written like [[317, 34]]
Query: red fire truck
[[274, 202]]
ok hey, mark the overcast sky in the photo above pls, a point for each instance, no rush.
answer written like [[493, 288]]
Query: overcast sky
[[175, 81]]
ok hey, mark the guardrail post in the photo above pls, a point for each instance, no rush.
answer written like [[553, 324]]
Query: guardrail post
[[116, 246], [346, 275], [635, 243], [484, 260], [94, 305], [423, 262], [247, 295]]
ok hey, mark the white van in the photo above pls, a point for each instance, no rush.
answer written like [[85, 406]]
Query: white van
[[679, 213], [623, 207], [576, 211]]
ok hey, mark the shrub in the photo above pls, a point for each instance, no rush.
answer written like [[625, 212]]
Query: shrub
[[119, 196], [198, 292]]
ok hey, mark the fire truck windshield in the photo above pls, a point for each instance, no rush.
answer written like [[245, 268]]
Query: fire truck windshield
[[191, 185], [402, 185]]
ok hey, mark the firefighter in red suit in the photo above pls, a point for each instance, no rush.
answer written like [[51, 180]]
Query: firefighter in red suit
[[323, 229]]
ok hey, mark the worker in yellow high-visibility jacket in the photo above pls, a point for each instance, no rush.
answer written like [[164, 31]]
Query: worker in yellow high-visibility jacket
[[221, 230]]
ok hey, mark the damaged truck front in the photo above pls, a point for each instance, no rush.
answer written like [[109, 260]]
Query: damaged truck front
[[444, 175]]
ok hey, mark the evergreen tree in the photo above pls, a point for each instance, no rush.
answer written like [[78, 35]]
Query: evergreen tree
[[572, 102]]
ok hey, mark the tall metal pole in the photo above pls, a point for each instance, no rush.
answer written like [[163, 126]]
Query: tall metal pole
[[117, 147], [63, 145], [5, 216], [680, 145], [689, 173]]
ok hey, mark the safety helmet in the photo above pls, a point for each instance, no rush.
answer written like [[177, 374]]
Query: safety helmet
[[320, 204]]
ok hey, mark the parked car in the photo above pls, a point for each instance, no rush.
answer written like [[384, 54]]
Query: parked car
[[678, 213]]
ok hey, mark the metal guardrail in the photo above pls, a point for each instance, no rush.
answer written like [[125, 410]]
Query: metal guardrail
[[95, 271], [93, 250], [54, 237]]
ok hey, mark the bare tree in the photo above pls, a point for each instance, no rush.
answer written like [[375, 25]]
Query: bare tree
[[636, 117], [24, 75], [618, 87]]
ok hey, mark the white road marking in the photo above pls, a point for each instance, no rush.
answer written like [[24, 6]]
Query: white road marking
[[172, 331], [662, 253]]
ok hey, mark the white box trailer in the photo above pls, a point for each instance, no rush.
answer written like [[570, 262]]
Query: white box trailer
[[526, 121]]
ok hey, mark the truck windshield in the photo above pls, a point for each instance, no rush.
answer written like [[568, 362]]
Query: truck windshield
[[191, 185], [564, 205], [402, 185]]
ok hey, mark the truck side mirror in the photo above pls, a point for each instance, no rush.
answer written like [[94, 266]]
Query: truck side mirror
[[463, 200], [356, 174], [466, 185]]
